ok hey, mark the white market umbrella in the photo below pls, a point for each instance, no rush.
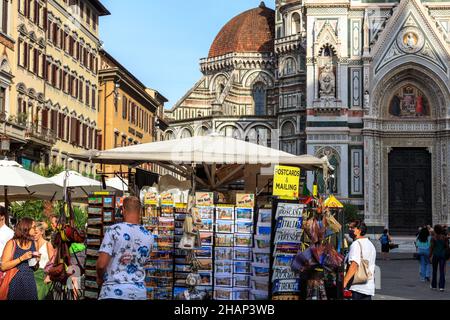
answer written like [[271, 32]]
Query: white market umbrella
[[21, 184], [79, 185], [179, 156], [117, 183], [212, 149]]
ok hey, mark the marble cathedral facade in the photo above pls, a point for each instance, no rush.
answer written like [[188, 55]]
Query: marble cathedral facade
[[365, 83]]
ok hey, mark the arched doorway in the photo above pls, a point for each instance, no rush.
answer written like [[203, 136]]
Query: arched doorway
[[406, 150]]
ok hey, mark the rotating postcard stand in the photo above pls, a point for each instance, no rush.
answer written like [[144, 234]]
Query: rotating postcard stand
[[191, 243]]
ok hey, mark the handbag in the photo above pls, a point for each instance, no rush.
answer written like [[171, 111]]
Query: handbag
[[187, 242], [6, 277], [363, 273]]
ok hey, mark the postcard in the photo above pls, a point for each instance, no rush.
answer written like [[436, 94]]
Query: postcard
[[224, 226], [283, 260], [262, 243], [265, 216], [206, 212], [242, 267], [94, 221], [205, 264], [206, 238], [204, 252], [224, 240], [207, 225], [223, 267], [223, 280], [243, 240], [206, 278], [244, 214], [223, 293], [261, 271], [108, 216], [263, 258], [244, 227], [243, 254], [241, 281], [224, 213], [241, 294], [224, 254]]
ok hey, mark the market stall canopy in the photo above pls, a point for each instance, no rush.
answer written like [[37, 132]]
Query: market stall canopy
[[118, 184], [332, 202], [18, 183], [79, 186], [211, 149]]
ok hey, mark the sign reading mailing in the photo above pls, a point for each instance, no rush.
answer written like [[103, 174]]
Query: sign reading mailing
[[286, 182]]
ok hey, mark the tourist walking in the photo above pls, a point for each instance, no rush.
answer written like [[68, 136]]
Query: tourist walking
[[423, 243], [6, 233], [362, 252], [385, 241], [20, 253], [439, 246], [123, 254], [47, 251]]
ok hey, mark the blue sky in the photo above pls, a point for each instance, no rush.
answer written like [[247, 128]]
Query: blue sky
[[161, 41]]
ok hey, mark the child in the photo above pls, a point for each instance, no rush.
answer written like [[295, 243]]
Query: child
[[385, 240]]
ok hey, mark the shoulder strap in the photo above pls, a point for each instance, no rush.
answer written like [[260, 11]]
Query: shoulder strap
[[14, 249], [361, 251]]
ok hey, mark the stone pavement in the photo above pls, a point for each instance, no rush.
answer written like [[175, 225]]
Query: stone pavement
[[400, 280]]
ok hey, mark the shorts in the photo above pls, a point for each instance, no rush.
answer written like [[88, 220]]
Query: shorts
[[385, 248]]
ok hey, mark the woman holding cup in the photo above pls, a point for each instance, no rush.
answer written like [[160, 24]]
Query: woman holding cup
[[20, 253]]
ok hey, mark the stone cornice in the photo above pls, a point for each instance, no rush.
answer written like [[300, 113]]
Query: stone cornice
[[238, 60]]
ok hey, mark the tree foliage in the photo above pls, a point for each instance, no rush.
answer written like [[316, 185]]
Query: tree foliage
[[351, 212]]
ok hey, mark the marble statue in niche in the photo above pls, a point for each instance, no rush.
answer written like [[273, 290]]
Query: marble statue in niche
[[327, 81]]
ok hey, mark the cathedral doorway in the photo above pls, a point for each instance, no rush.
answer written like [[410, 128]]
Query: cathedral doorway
[[410, 190]]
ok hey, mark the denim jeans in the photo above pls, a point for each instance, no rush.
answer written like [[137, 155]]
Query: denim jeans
[[425, 266], [438, 262]]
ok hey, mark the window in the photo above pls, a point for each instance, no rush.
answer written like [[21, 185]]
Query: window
[[4, 15], [295, 23], [288, 129], [2, 99], [62, 121], [93, 105], [87, 95], [54, 120], [124, 107], [259, 99]]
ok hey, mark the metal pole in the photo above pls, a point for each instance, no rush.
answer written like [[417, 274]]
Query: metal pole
[[6, 207]]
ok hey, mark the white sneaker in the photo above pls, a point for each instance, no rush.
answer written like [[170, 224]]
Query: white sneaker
[[442, 290]]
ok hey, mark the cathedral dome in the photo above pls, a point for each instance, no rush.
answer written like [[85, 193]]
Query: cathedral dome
[[251, 31]]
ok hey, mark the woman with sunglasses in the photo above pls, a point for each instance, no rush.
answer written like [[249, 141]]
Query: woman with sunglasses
[[20, 253]]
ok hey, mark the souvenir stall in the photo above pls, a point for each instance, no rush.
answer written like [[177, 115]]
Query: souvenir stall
[[217, 242]]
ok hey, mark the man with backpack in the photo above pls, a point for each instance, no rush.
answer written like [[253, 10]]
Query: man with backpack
[[385, 241]]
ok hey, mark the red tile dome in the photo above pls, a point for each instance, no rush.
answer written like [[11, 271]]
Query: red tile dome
[[251, 31]]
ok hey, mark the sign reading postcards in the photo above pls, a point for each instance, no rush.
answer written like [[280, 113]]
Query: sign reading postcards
[[288, 233]]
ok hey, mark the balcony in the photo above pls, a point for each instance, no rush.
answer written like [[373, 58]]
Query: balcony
[[40, 135], [12, 128], [289, 43]]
